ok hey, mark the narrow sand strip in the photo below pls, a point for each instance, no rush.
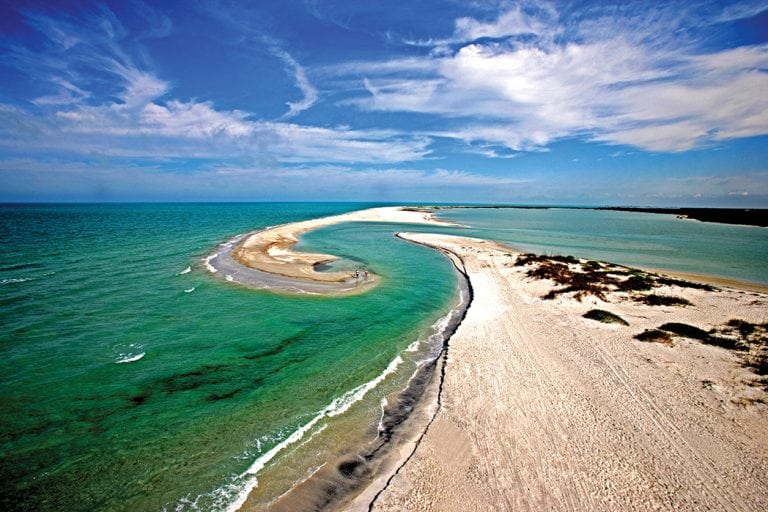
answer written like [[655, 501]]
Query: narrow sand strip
[[545, 410], [267, 259]]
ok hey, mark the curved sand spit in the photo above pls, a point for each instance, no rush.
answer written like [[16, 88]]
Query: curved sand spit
[[266, 259]]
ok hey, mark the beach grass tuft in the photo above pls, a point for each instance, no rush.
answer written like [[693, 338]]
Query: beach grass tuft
[[604, 316]]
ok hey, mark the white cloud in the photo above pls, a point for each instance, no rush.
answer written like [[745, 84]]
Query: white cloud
[[617, 84], [176, 129], [511, 22], [138, 116]]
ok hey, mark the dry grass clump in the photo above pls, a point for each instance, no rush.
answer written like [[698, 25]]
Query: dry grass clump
[[596, 278], [637, 282], [604, 316], [530, 258]]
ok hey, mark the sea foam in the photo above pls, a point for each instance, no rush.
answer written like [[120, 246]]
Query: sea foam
[[130, 358], [207, 260], [16, 280]]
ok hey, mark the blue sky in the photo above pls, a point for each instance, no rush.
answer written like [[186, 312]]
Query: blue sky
[[633, 103]]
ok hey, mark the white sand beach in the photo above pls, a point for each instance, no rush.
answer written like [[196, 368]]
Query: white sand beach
[[543, 409]]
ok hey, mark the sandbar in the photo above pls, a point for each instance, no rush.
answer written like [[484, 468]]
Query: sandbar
[[267, 258]]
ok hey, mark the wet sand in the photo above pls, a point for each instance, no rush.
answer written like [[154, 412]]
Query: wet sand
[[542, 409], [267, 259]]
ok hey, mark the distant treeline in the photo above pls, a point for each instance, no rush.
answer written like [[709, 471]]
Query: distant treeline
[[747, 217]]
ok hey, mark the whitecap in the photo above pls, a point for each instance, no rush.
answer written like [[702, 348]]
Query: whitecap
[[129, 358], [185, 271], [229, 278], [189, 290], [16, 280]]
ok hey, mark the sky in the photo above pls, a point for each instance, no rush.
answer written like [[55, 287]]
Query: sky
[[561, 103]]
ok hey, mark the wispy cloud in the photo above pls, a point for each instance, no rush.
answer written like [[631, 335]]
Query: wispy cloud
[[302, 83], [607, 79], [134, 113]]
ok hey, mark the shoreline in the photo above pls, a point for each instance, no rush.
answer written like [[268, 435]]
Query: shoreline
[[267, 259], [363, 468], [544, 409]]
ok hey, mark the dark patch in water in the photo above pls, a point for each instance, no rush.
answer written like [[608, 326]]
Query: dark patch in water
[[193, 379], [140, 398], [281, 345], [223, 396], [22, 266]]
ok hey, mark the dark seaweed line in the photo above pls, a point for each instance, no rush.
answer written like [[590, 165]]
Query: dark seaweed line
[[443, 355]]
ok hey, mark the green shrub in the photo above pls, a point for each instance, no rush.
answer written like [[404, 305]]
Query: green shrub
[[662, 300], [604, 316], [655, 335]]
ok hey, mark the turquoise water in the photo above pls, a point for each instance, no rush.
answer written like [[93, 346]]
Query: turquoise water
[[226, 374], [635, 239], [134, 380]]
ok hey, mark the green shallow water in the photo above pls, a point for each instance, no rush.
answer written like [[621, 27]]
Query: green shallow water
[[635, 239], [227, 373]]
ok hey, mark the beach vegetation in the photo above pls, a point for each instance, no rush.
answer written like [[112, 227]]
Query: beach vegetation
[[598, 279], [654, 299], [655, 336], [749, 340], [753, 338], [530, 258], [668, 281], [709, 337], [592, 265], [637, 282], [685, 330], [605, 317]]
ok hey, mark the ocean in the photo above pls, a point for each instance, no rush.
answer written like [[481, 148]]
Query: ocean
[[132, 379]]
